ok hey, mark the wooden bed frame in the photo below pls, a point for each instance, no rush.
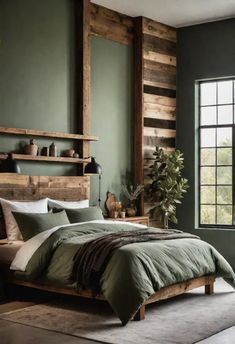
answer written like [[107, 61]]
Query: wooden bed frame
[[163, 294], [22, 188]]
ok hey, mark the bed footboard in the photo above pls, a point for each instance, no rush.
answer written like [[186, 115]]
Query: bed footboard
[[177, 289]]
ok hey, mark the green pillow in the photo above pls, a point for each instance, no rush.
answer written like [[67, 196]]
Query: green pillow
[[31, 224], [84, 214]]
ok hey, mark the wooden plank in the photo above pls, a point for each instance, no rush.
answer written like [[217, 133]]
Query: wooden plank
[[180, 288], [19, 187], [159, 141], [158, 76], [159, 111], [138, 173], [160, 67], [160, 57], [159, 84], [159, 123], [159, 45], [156, 29], [111, 25], [159, 132], [50, 134], [83, 73], [54, 289], [39, 158], [149, 150], [159, 91], [161, 100]]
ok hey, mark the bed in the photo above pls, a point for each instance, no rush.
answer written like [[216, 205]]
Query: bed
[[190, 272]]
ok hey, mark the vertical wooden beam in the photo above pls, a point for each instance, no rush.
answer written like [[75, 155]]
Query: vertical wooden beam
[[83, 52], [209, 288], [138, 158], [140, 314]]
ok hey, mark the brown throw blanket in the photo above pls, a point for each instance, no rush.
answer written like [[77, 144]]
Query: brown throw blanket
[[92, 257]]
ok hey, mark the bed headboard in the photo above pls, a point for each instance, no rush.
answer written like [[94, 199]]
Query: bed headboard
[[26, 188], [29, 188]]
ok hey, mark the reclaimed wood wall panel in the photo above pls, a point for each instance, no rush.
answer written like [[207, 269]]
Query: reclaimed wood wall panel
[[111, 25], [25, 188], [159, 93], [138, 154]]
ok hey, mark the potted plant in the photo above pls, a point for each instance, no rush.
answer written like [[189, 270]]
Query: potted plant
[[132, 194], [168, 186]]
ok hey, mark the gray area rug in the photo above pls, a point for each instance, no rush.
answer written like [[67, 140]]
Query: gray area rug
[[183, 320]]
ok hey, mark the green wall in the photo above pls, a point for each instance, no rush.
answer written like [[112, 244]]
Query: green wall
[[36, 73], [37, 87], [204, 51], [111, 113]]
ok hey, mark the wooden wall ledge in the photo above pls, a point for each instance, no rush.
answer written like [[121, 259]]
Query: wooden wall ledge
[[50, 134]]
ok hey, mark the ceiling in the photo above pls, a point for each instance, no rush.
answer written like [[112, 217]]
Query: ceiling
[[175, 13]]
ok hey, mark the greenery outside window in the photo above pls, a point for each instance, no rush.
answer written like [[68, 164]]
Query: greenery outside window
[[216, 153]]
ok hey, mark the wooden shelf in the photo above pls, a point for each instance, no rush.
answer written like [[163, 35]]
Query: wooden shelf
[[45, 158], [49, 134]]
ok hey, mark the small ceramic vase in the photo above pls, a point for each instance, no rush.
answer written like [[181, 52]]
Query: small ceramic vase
[[31, 148]]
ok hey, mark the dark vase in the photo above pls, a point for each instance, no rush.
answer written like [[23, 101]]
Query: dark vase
[[131, 210]]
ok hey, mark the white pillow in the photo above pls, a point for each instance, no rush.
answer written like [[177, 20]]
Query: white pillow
[[53, 203], [12, 229]]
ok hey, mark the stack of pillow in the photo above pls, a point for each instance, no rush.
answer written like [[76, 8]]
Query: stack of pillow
[[23, 220]]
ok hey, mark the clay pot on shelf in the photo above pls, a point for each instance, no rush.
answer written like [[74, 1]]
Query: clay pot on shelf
[[69, 153], [31, 148]]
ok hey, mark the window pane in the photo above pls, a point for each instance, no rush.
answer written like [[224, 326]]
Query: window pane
[[224, 214], [225, 92], [208, 93], [224, 137], [207, 175], [207, 214], [225, 114], [224, 156], [224, 194], [224, 175], [208, 115], [207, 156], [207, 137], [207, 194]]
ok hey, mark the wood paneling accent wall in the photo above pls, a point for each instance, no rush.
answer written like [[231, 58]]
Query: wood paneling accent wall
[[155, 95], [111, 25], [154, 83]]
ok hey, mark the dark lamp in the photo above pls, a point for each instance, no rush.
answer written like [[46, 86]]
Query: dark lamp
[[93, 168], [9, 165]]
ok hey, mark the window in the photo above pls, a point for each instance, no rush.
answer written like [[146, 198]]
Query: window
[[216, 153]]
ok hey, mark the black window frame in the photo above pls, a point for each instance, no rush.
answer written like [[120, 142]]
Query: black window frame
[[215, 126]]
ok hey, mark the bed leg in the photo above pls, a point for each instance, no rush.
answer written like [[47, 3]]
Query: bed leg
[[140, 315], [209, 288]]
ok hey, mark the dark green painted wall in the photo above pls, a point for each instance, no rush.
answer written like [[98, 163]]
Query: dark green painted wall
[[204, 51], [36, 73], [37, 87], [111, 113]]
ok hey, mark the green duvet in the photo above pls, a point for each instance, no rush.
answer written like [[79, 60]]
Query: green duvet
[[134, 272]]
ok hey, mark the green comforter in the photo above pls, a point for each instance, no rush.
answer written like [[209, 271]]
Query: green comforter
[[134, 272]]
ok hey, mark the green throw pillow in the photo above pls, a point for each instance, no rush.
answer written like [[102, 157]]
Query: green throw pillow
[[31, 224], [84, 214]]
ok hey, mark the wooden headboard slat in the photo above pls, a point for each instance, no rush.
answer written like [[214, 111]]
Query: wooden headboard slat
[[20, 187]]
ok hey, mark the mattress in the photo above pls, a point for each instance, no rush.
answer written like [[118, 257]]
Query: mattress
[[8, 250]]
